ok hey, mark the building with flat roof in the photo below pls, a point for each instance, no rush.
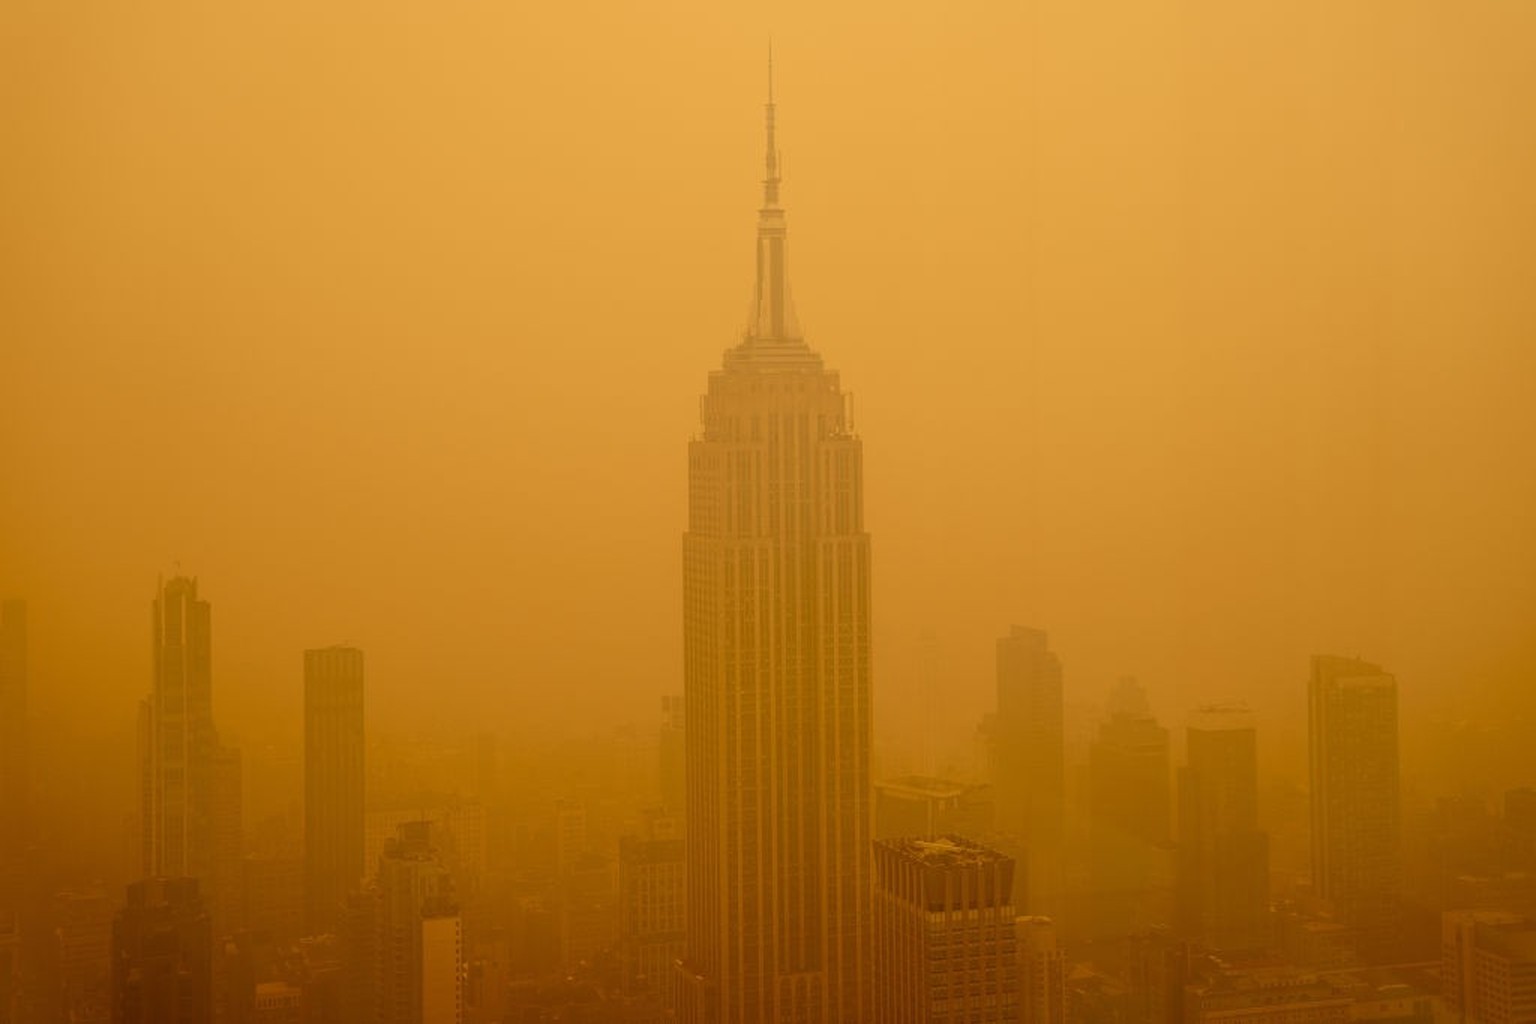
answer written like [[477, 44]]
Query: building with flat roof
[[1488, 967], [922, 805], [1356, 802], [945, 945]]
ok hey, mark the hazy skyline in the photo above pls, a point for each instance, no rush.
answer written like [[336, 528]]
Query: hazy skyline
[[1199, 336]]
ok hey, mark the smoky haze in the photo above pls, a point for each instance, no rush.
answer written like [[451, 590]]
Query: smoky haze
[[1199, 335]]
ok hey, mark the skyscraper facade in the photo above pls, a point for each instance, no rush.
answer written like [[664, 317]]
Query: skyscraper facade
[[945, 946], [1488, 967], [191, 790], [776, 627], [1130, 856], [333, 783], [1356, 803], [1128, 771], [1030, 757], [162, 955], [651, 881], [420, 945], [1042, 972], [1223, 890]]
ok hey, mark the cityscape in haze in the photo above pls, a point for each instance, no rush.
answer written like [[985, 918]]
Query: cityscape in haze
[[427, 597]]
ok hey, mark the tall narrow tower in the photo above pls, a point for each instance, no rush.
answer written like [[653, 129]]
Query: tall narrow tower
[[178, 813], [1030, 756], [191, 783], [1356, 805], [1224, 857], [333, 782], [776, 631]]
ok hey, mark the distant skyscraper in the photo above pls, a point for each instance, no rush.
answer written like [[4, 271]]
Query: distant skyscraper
[[1129, 778], [776, 627], [1042, 972], [162, 955], [1223, 891], [1356, 804], [945, 948], [1129, 812], [13, 748], [420, 946], [1030, 760], [191, 790], [333, 783]]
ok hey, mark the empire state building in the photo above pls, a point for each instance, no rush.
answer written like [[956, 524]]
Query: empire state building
[[776, 628]]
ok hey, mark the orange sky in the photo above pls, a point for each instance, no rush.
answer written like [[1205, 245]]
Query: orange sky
[[1199, 334]]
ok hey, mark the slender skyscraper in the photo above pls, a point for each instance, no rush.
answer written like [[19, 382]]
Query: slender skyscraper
[[1356, 804], [1224, 858], [1030, 756], [776, 628], [191, 791], [333, 783], [1129, 809]]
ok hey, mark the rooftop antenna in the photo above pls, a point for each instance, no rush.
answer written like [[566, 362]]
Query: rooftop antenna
[[771, 183]]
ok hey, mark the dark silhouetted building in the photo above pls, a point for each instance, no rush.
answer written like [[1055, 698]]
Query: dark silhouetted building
[[1223, 889], [333, 783], [1356, 802], [1129, 777], [191, 795], [1131, 856], [945, 947], [777, 686], [1030, 758], [162, 955]]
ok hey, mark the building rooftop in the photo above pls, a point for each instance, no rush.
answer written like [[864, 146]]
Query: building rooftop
[[944, 851]]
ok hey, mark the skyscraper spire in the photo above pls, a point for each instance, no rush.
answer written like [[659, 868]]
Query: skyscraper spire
[[771, 182], [773, 317]]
